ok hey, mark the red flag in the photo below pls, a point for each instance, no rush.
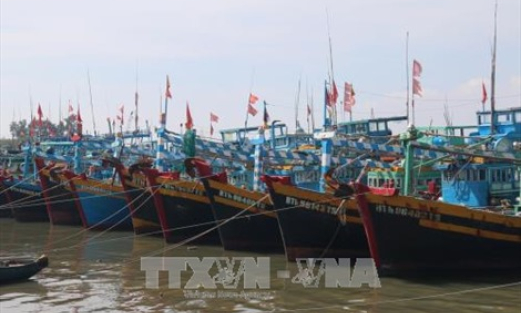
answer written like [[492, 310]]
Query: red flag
[[416, 69], [333, 97], [214, 118], [253, 99], [484, 96], [189, 121], [251, 110], [168, 94], [416, 87], [78, 117], [349, 97], [71, 109], [40, 114], [211, 129]]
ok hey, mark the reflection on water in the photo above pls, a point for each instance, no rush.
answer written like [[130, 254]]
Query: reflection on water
[[100, 272]]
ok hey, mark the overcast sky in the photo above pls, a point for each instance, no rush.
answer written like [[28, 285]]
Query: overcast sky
[[217, 52]]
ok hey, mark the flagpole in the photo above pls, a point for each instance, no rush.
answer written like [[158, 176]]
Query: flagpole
[[307, 105], [326, 121], [312, 113], [332, 77], [493, 76], [91, 104], [407, 74], [60, 104], [136, 99], [248, 106], [413, 115], [296, 106]]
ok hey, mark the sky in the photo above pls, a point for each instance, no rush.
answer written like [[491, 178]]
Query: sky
[[218, 52]]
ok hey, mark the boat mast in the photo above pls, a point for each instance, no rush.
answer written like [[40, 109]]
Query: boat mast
[[297, 99], [332, 74], [91, 105], [407, 73], [136, 99], [493, 76]]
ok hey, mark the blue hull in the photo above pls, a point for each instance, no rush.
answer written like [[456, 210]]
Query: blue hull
[[104, 212]]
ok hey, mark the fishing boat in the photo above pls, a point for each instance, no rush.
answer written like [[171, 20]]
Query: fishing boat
[[18, 269], [473, 226], [183, 208]]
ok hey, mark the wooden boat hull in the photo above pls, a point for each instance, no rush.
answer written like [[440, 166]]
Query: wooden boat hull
[[249, 223], [22, 270], [183, 209], [26, 201], [411, 234], [318, 225]]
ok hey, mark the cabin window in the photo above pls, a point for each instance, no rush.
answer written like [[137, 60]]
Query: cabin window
[[382, 126], [373, 127], [484, 119], [503, 118], [517, 117]]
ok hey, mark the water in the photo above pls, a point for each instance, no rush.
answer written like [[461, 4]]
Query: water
[[92, 271]]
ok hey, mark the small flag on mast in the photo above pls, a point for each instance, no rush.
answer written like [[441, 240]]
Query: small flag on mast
[[252, 99], [484, 95], [189, 121], [214, 118], [333, 97], [416, 68], [40, 114], [78, 116], [251, 110], [416, 87], [168, 94], [349, 97], [416, 73]]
